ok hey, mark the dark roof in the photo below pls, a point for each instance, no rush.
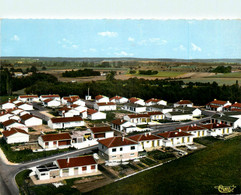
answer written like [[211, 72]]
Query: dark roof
[[184, 102], [232, 113], [134, 99], [100, 129], [191, 128], [91, 111], [55, 137], [105, 104], [66, 119], [76, 162], [49, 96], [116, 141], [9, 122], [138, 115], [224, 118], [154, 113], [118, 121], [13, 131], [142, 137], [171, 134], [27, 116]]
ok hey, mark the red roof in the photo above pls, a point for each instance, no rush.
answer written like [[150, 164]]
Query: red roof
[[116, 141], [154, 113], [28, 96], [235, 109], [170, 134], [56, 137], [13, 131], [49, 96], [153, 100], [138, 115], [65, 109], [100, 129], [220, 102], [48, 100], [214, 125], [91, 111], [214, 106], [74, 105], [19, 104], [106, 104], [9, 122], [184, 102], [191, 128], [66, 119], [133, 99], [76, 162], [98, 97], [116, 98], [143, 137], [238, 105], [118, 121]]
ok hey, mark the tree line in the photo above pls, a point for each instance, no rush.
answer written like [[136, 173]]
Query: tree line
[[81, 73]]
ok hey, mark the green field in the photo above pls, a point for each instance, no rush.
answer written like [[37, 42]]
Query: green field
[[197, 173], [161, 74]]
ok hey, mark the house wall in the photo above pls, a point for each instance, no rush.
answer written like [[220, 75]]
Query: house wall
[[8, 105], [42, 175], [178, 117], [199, 133], [105, 108], [17, 138], [33, 122], [53, 104], [77, 170], [102, 100], [98, 116], [5, 117], [17, 125], [26, 107], [149, 144], [177, 141], [65, 125]]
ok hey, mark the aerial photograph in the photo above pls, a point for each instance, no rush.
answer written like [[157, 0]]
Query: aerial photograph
[[119, 106]]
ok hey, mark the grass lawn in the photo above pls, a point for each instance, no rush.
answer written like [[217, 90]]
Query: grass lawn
[[227, 75], [197, 173], [206, 140]]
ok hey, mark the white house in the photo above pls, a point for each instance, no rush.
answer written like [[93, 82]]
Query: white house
[[77, 166], [156, 115], [16, 111], [28, 98], [101, 99], [101, 132], [8, 105], [154, 101], [51, 103], [24, 106], [176, 138], [15, 135], [217, 105], [196, 112], [15, 117], [183, 103], [136, 108], [235, 122], [45, 97], [5, 116], [78, 107], [68, 112], [30, 120], [235, 107], [121, 125], [138, 119], [95, 115], [54, 141], [216, 129], [82, 165], [195, 130], [179, 116], [135, 100], [106, 106], [119, 100], [147, 141], [160, 108], [66, 122], [7, 125], [118, 149]]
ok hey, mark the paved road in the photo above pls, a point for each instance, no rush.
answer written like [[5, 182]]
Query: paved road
[[8, 185]]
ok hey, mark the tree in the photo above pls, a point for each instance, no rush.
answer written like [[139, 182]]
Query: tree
[[33, 69], [111, 76]]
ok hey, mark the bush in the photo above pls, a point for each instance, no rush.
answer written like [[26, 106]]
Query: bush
[[81, 73], [148, 72], [158, 155]]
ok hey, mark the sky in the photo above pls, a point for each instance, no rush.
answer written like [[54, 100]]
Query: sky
[[185, 39]]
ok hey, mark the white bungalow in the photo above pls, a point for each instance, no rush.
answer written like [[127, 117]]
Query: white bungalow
[[101, 132], [217, 105], [51, 103], [118, 149], [156, 115], [183, 103], [196, 112], [15, 135], [119, 100], [136, 108], [24, 106], [195, 130], [147, 141], [235, 122], [216, 129], [101, 99], [176, 138], [54, 141], [160, 108], [106, 106], [66, 122], [135, 100], [45, 97], [95, 115], [154, 101], [8, 105], [138, 119], [179, 116], [5, 116], [30, 120], [7, 125], [121, 125], [28, 98]]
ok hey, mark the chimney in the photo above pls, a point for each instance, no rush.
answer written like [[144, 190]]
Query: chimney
[[176, 133], [236, 102], [145, 134], [195, 125], [179, 130], [123, 138], [9, 99], [149, 133], [68, 160], [215, 99]]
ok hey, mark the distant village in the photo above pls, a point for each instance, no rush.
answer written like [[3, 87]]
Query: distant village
[[50, 122]]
